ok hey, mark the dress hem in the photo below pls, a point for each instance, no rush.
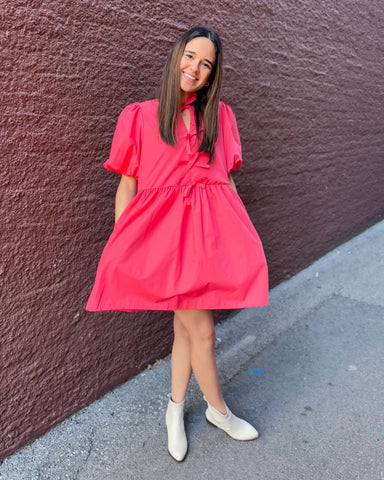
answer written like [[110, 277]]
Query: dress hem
[[165, 309]]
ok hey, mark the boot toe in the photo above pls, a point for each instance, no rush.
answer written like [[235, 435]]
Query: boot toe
[[245, 431], [178, 453]]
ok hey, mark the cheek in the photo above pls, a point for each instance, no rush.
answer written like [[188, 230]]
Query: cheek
[[206, 75], [183, 64]]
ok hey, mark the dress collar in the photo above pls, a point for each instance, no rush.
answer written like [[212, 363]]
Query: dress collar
[[191, 98]]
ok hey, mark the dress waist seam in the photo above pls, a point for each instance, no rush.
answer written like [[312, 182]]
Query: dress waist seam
[[182, 187]]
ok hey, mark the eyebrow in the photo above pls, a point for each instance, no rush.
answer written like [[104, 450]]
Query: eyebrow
[[206, 59]]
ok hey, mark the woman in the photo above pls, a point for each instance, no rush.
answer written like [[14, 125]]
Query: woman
[[183, 240]]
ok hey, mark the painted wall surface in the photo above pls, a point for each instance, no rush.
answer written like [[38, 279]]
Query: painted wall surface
[[305, 80]]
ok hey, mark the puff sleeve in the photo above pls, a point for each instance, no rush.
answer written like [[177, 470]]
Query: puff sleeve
[[232, 143], [124, 157]]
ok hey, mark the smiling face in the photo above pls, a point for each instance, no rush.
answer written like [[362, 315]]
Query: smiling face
[[196, 65]]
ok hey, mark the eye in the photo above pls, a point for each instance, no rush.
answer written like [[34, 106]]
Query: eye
[[206, 65], [188, 55]]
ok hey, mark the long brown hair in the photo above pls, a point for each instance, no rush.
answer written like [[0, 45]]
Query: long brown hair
[[206, 105]]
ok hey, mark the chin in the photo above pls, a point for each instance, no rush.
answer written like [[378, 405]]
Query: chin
[[188, 90]]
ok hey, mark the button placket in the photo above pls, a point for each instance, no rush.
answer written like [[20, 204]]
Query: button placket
[[190, 138]]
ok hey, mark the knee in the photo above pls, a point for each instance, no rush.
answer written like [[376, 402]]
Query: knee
[[197, 326], [206, 338], [203, 336]]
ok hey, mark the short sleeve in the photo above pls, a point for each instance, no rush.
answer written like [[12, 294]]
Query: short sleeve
[[124, 157], [231, 139]]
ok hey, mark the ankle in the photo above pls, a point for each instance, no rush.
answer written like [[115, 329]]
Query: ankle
[[220, 407], [176, 399]]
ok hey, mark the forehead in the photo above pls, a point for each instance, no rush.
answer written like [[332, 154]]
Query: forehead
[[203, 47]]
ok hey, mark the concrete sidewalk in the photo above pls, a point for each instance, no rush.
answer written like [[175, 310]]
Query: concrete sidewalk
[[307, 371]]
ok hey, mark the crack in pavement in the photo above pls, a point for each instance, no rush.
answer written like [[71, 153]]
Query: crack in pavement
[[89, 451]]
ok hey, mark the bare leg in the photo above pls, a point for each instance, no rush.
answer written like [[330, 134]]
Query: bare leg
[[180, 361], [198, 324]]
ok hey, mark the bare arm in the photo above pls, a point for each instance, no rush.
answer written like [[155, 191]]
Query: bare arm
[[231, 182], [126, 190]]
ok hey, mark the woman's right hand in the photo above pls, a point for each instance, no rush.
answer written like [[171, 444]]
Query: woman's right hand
[[126, 190]]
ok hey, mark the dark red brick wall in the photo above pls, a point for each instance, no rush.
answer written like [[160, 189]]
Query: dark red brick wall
[[305, 81]]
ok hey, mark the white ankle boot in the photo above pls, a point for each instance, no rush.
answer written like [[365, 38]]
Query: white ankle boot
[[235, 427], [177, 440]]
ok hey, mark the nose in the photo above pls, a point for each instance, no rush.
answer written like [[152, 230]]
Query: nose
[[195, 66]]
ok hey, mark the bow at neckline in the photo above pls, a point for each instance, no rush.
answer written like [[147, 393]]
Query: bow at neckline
[[191, 134]]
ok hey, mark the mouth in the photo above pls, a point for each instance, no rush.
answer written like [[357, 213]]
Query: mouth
[[189, 77]]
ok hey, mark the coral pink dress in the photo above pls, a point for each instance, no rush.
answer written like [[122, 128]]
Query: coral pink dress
[[185, 241]]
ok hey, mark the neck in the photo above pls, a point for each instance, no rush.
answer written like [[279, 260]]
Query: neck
[[183, 97]]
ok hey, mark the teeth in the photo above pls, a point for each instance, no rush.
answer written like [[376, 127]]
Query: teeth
[[189, 76]]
